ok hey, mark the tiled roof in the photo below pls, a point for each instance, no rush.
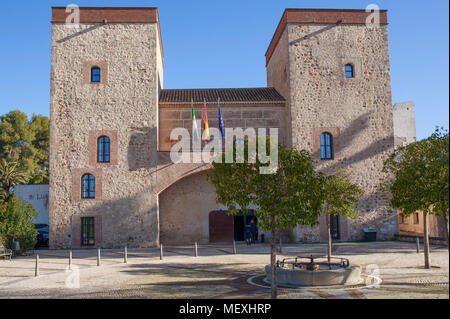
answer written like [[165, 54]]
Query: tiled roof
[[226, 95]]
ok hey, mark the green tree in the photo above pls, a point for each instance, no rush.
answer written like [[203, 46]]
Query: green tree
[[16, 223], [287, 198], [27, 143], [420, 180], [10, 175], [340, 197]]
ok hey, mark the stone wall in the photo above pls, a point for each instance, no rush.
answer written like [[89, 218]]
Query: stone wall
[[234, 115], [184, 210], [126, 103], [359, 108]]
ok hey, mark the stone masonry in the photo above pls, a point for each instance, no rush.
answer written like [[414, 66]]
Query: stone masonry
[[141, 197], [126, 103], [306, 61]]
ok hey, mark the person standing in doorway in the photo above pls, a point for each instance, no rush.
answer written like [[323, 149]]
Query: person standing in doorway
[[254, 230]]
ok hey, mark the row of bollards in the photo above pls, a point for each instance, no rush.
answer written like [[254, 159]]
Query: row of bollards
[[125, 256]]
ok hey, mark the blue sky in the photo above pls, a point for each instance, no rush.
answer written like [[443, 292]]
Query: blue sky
[[216, 43]]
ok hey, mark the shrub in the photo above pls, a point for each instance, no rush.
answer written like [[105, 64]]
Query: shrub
[[16, 223]]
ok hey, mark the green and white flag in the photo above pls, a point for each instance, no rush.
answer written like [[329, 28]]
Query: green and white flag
[[195, 136]]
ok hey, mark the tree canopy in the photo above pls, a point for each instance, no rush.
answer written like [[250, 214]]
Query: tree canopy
[[420, 172], [27, 143]]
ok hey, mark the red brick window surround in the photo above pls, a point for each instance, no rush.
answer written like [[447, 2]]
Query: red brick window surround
[[88, 68], [77, 175], [93, 148], [317, 133]]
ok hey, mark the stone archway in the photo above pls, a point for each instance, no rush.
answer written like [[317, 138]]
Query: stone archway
[[184, 209]]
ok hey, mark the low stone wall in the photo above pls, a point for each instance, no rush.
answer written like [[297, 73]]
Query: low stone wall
[[343, 276], [433, 240]]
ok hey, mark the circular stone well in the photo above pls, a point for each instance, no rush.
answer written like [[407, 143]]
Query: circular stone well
[[294, 272]]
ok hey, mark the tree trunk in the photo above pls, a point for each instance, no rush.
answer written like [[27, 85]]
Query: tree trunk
[[329, 237], [273, 257], [426, 244], [446, 228]]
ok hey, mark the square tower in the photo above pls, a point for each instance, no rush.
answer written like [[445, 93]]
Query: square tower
[[106, 75], [332, 66]]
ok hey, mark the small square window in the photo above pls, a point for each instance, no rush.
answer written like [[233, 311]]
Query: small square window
[[349, 71], [95, 75]]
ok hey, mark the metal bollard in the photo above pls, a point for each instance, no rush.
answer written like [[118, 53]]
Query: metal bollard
[[418, 245], [98, 257], [70, 260], [161, 251], [234, 247], [125, 255], [36, 267], [196, 249]]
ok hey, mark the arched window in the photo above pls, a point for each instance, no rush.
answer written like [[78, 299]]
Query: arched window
[[103, 149], [88, 186], [95, 74], [326, 146], [349, 71]]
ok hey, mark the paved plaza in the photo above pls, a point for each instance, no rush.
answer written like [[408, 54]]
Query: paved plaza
[[218, 273]]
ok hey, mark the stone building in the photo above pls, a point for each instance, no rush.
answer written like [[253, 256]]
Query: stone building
[[405, 133], [112, 182]]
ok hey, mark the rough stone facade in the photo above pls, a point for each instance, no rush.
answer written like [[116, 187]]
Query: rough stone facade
[[142, 198], [126, 102], [322, 98]]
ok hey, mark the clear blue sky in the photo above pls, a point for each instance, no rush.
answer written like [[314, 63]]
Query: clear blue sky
[[218, 43]]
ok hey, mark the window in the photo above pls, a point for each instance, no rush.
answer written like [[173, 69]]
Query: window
[[95, 75], [402, 219], [88, 186], [416, 218], [103, 149], [326, 149], [349, 71], [87, 231]]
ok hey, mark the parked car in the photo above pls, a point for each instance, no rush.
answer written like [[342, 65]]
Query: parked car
[[42, 237]]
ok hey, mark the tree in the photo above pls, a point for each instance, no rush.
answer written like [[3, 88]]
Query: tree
[[10, 175], [420, 180], [287, 198], [27, 143], [340, 197], [16, 223]]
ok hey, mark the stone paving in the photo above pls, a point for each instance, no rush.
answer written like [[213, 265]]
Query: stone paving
[[217, 273]]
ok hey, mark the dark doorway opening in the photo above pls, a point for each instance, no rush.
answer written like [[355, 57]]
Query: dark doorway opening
[[334, 227], [239, 222]]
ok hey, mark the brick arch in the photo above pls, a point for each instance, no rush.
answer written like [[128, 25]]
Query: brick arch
[[169, 173]]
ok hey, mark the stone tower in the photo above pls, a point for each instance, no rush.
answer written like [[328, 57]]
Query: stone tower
[[307, 63], [118, 100]]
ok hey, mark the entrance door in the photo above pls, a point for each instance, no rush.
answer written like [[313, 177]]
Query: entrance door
[[334, 227], [220, 227], [239, 222]]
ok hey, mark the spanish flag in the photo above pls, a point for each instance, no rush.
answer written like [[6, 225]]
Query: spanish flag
[[205, 124]]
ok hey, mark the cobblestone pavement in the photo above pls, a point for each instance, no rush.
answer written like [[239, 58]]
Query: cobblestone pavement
[[217, 273]]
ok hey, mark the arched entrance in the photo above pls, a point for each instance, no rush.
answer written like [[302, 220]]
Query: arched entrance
[[184, 209]]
